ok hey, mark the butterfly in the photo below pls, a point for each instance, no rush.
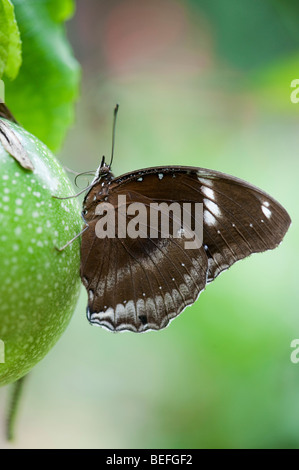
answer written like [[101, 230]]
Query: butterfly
[[144, 282], [6, 113]]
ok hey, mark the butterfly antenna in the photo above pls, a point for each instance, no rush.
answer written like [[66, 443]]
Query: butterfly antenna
[[113, 133], [90, 173]]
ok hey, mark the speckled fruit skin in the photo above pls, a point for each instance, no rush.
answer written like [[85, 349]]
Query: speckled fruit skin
[[39, 286]]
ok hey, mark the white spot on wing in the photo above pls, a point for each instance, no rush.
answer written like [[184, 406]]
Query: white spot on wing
[[119, 311], [204, 181], [208, 192], [160, 176], [212, 207], [267, 212], [130, 310], [209, 219]]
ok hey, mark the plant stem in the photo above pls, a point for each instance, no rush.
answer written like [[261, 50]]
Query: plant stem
[[13, 406]]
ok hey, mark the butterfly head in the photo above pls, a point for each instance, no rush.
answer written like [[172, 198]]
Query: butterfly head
[[103, 168], [103, 171]]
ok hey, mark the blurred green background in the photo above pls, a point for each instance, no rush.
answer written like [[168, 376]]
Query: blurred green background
[[203, 83]]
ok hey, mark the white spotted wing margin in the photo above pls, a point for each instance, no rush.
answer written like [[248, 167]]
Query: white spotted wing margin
[[142, 284]]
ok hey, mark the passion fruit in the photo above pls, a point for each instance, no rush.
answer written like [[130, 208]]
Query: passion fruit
[[39, 285]]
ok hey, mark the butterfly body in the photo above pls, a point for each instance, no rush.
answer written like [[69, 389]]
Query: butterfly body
[[141, 283]]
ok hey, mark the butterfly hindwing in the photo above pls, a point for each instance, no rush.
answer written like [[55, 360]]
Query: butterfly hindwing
[[139, 284]]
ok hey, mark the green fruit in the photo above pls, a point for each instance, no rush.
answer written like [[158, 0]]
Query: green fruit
[[39, 286]]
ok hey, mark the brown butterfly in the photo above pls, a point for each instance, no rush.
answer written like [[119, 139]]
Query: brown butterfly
[[142, 283], [6, 113]]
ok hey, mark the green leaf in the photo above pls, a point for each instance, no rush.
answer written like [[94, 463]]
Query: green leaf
[[61, 11], [10, 42], [42, 96]]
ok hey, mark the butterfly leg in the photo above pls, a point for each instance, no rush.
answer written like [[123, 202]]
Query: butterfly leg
[[69, 170], [75, 195], [75, 237]]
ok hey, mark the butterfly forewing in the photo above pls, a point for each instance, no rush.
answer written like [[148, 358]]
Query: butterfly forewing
[[239, 219], [142, 283]]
